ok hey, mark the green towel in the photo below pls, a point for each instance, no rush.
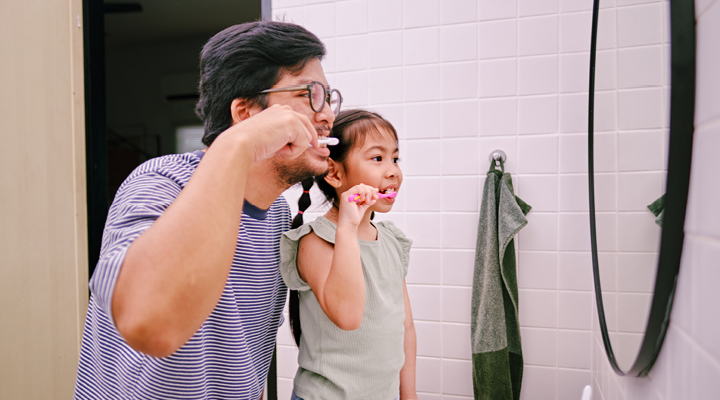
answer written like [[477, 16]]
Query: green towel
[[658, 208], [495, 330]]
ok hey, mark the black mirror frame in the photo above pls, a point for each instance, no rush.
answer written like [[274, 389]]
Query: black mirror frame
[[682, 111]]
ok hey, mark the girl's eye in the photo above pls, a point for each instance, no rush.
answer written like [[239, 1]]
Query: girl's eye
[[377, 158], [396, 160]]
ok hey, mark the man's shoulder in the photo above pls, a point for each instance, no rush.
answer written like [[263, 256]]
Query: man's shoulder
[[175, 167], [178, 165]]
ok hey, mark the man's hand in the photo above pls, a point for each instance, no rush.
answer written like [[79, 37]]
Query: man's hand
[[275, 130]]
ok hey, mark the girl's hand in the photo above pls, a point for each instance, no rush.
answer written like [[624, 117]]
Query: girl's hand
[[352, 212]]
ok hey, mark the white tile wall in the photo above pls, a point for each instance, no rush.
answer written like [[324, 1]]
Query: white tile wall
[[574, 72], [533, 7], [420, 13], [497, 39], [538, 35], [385, 49], [355, 87], [459, 193], [458, 80], [351, 53], [458, 42], [422, 120], [491, 9], [574, 32], [463, 77], [422, 83], [457, 267], [351, 17], [640, 66], [458, 11], [538, 75], [384, 85], [538, 114], [539, 383], [384, 15], [573, 112], [638, 25], [420, 46], [458, 118], [538, 270], [497, 78]]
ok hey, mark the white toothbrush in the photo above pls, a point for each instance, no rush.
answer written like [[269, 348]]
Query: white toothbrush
[[330, 141]]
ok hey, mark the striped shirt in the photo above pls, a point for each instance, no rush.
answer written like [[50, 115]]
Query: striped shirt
[[229, 356]]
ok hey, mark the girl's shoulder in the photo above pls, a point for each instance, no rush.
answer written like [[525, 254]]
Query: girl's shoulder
[[289, 244], [393, 230], [401, 242], [321, 226]]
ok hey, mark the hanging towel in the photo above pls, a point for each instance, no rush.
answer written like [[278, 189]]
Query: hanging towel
[[658, 209], [495, 331]]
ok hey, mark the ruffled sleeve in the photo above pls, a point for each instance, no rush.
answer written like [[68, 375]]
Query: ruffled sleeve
[[403, 242], [289, 243]]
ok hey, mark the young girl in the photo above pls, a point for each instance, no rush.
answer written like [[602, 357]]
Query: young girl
[[349, 308]]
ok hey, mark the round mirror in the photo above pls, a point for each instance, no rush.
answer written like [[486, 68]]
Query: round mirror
[[640, 142]]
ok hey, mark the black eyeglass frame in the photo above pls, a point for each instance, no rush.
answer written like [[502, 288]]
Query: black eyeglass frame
[[308, 87]]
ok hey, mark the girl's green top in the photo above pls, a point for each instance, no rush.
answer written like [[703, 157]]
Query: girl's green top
[[364, 363]]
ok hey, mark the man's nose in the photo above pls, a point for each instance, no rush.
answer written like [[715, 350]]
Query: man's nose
[[325, 115]]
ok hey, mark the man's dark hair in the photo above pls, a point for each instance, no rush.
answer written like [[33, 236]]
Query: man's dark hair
[[245, 59]]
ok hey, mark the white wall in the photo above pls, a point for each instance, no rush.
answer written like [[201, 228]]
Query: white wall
[[43, 224], [688, 366], [459, 79]]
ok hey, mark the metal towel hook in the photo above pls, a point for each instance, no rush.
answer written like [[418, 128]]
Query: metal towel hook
[[496, 155]]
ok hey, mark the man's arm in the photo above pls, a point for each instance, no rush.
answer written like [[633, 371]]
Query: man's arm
[[174, 273], [407, 373]]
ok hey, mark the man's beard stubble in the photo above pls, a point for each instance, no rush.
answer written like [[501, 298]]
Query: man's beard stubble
[[298, 170]]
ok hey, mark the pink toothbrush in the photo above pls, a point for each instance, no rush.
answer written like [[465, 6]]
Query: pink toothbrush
[[356, 197]]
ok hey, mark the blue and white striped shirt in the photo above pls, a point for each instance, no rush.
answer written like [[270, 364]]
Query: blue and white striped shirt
[[229, 356]]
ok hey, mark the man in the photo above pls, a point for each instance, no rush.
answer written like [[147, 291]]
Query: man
[[187, 296]]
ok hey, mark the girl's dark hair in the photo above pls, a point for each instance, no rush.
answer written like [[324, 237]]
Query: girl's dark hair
[[245, 59], [351, 127], [294, 301]]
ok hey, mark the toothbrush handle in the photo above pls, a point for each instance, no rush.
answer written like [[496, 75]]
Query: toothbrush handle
[[356, 197]]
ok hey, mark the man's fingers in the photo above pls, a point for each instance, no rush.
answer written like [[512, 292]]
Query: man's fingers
[[311, 132]]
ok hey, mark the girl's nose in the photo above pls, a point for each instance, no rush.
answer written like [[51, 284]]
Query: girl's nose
[[393, 172]]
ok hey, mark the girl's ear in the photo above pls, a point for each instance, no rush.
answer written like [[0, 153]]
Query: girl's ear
[[241, 110], [335, 173]]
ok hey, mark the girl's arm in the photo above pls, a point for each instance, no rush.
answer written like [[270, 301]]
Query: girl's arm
[[335, 273], [407, 373]]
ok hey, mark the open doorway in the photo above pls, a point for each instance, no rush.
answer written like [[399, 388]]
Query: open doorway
[[141, 67], [141, 80]]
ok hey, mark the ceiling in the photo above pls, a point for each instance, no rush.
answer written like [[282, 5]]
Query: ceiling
[[175, 20]]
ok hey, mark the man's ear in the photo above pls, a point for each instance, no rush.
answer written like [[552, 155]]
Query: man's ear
[[335, 173], [240, 110]]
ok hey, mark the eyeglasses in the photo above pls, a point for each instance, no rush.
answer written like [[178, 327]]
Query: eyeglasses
[[318, 95]]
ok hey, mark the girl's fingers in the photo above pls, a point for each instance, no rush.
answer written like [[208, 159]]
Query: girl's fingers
[[363, 194]]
